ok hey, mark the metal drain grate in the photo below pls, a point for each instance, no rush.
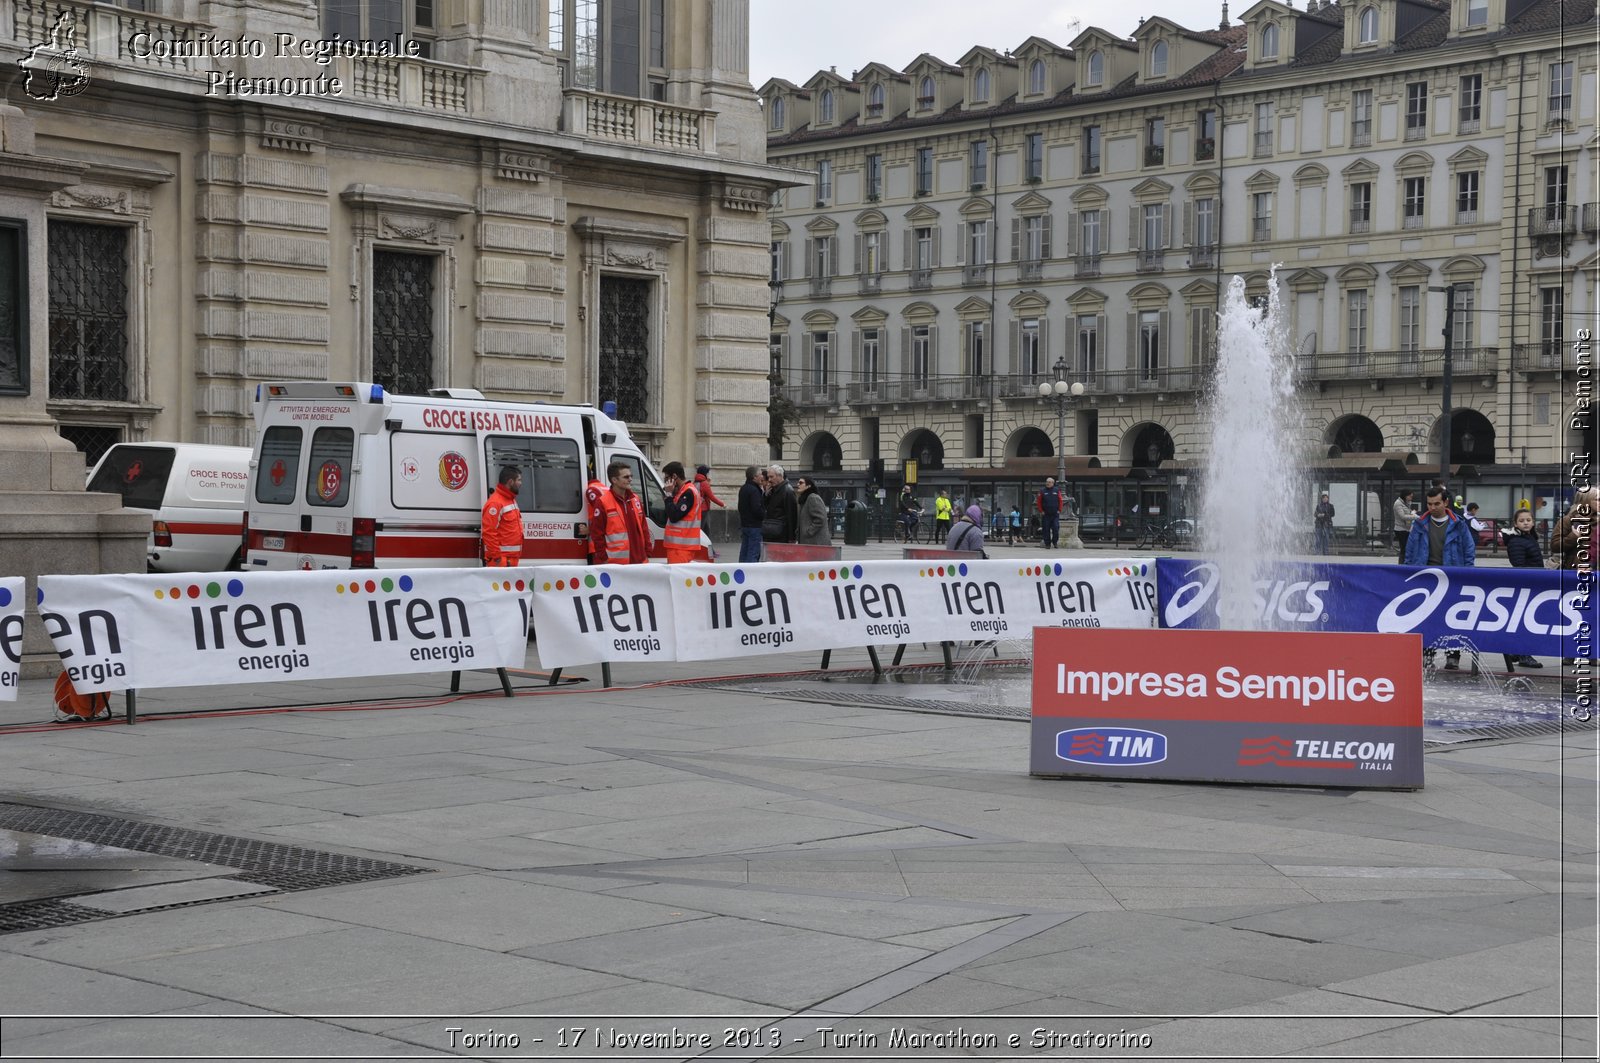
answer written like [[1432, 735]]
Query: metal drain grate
[[283, 867], [936, 706], [1535, 729]]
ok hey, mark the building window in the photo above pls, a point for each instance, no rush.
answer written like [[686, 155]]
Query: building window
[[88, 286], [872, 246], [978, 243], [980, 85], [827, 106], [1477, 12], [921, 355], [1410, 318], [613, 46], [1158, 59], [1096, 71], [821, 360], [1552, 325], [978, 158], [1462, 333], [824, 183], [922, 242], [1263, 129], [1033, 157], [1149, 345], [924, 171], [1091, 149], [402, 321], [1415, 197], [387, 20], [775, 113], [1155, 141], [1028, 347], [1361, 207], [1154, 229], [1416, 110], [977, 348], [1089, 245], [822, 257], [875, 100], [1356, 321], [874, 178], [1261, 215], [1560, 91], [1471, 111], [925, 98], [1361, 118], [1206, 140], [1367, 26], [779, 255], [13, 308], [871, 355], [1467, 197], [1036, 77], [1269, 41], [1205, 223], [1034, 241], [1202, 335], [1088, 345]]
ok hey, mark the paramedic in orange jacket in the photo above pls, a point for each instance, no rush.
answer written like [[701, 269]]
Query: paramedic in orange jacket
[[619, 534], [502, 522], [685, 508]]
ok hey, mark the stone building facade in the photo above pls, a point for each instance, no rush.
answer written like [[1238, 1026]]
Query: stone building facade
[[559, 200], [973, 226]]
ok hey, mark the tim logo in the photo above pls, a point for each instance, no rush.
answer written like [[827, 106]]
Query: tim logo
[[55, 67], [1111, 746]]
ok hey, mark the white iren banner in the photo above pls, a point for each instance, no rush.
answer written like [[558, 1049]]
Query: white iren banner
[[602, 613], [734, 610], [122, 632], [12, 605]]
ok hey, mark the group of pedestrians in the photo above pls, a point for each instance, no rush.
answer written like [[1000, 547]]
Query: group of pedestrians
[[772, 510]]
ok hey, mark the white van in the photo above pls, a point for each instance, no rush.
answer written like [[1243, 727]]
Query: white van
[[195, 494], [347, 475]]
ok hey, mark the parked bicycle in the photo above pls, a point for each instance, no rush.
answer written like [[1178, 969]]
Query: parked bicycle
[[1173, 535]]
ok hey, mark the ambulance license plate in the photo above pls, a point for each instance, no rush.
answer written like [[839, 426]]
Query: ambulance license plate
[[272, 542]]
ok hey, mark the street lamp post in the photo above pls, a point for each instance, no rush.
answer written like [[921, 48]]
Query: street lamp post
[[1449, 291], [1065, 394]]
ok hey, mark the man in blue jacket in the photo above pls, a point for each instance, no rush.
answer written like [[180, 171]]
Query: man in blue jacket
[[1440, 537]]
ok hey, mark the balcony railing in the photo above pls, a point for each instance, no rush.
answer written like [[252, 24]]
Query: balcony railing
[[811, 395], [1399, 365], [1416, 129], [1466, 124], [1360, 222], [1205, 148], [1151, 261], [921, 279], [1467, 217], [1413, 221], [1261, 228], [1155, 154], [1533, 357], [1558, 220], [871, 283], [1591, 218], [1030, 269], [1202, 256], [648, 123], [821, 287], [973, 275], [1361, 133], [1088, 265], [1263, 144]]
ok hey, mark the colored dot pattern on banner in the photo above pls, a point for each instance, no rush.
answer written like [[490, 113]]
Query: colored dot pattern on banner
[[843, 572], [194, 591], [715, 579], [589, 581], [1128, 570], [507, 585], [386, 585], [5, 597], [944, 571], [1044, 571]]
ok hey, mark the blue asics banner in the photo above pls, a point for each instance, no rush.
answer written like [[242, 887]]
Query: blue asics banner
[[1547, 613]]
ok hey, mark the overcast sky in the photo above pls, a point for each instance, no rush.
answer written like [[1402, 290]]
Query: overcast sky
[[794, 41]]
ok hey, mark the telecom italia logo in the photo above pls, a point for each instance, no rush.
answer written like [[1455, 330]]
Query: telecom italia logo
[[1115, 747]]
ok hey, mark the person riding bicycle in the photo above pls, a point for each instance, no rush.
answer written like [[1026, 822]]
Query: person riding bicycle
[[910, 511]]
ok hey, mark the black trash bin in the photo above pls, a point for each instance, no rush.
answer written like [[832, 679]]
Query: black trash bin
[[856, 522]]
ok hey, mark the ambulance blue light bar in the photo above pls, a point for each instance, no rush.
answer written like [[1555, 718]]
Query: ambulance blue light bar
[[377, 394]]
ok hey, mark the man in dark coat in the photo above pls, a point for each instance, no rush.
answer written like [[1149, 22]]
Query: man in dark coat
[[783, 509]]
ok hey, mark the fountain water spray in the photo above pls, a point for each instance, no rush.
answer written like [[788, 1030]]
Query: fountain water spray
[[1251, 499]]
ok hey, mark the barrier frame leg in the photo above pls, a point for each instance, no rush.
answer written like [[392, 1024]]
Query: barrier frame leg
[[555, 677], [130, 706], [455, 682], [899, 652], [505, 681], [605, 673], [949, 664], [825, 655], [872, 655]]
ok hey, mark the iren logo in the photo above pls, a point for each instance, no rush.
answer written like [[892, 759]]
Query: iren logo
[[1111, 746], [394, 617], [982, 603], [10, 640], [82, 638], [884, 605], [762, 616], [629, 619], [232, 626]]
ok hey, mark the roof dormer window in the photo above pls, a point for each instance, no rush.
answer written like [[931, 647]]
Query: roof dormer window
[[925, 94], [827, 106], [980, 85], [875, 100], [1269, 41], [1477, 12], [1158, 59], [1096, 71], [1367, 26], [775, 113], [1036, 77]]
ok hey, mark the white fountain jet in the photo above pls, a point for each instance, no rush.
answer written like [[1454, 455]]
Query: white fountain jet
[[1252, 496]]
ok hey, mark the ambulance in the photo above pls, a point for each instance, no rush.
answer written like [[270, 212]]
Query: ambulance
[[349, 475], [195, 493]]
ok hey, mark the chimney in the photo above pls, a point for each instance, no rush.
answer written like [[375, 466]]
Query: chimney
[[1225, 19]]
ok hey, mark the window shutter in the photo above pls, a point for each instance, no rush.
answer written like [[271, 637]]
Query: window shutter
[[830, 371], [1133, 341], [963, 230], [1135, 229], [855, 351], [1016, 346], [1166, 225], [936, 258], [1102, 338], [1044, 237], [858, 262], [1044, 342], [910, 262], [783, 353], [1016, 239], [1188, 224], [1072, 233], [811, 252], [1105, 231], [966, 347], [905, 352], [785, 266], [1166, 335], [933, 350]]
